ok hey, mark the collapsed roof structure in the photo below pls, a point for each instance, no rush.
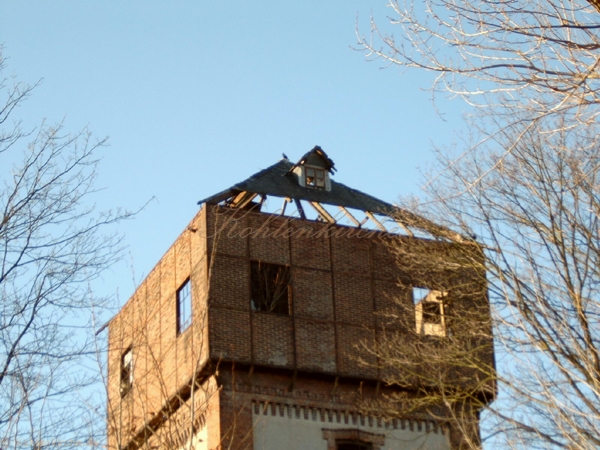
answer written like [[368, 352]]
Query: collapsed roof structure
[[308, 182]]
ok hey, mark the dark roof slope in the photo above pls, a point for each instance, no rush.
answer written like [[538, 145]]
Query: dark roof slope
[[277, 181]]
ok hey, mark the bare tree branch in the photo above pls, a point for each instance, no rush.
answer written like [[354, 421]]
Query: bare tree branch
[[52, 243]]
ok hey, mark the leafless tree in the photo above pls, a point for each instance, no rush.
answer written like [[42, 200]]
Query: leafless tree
[[526, 185], [52, 245], [436, 347], [521, 60], [534, 219], [538, 214]]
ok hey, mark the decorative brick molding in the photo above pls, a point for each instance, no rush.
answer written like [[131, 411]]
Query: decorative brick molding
[[331, 436], [343, 417]]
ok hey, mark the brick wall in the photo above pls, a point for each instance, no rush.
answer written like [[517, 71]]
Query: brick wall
[[341, 289], [327, 401], [163, 361]]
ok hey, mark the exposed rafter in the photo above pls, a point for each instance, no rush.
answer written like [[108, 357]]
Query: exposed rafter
[[300, 208], [322, 212], [349, 216], [242, 199], [375, 221], [283, 207], [280, 180], [405, 228]]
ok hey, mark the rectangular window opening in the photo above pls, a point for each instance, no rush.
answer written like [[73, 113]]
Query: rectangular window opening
[[270, 288], [353, 445], [184, 306], [126, 372], [430, 311], [315, 178]]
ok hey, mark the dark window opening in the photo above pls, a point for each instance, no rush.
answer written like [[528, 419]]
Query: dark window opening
[[184, 307], [270, 288], [126, 372], [353, 445], [432, 312], [315, 178], [352, 439]]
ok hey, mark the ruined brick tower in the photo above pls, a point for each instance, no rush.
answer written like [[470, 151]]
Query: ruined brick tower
[[247, 333]]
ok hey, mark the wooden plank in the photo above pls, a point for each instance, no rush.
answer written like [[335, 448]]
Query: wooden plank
[[300, 208], [405, 228], [242, 199], [377, 222], [285, 202], [322, 211], [349, 216]]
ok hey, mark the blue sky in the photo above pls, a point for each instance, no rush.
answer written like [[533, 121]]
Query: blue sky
[[196, 96]]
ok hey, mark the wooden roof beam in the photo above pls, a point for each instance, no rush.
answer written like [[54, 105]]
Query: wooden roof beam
[[300, 208], [285, 202], [349, 216], [242, 199], [405, 228], [322, 211], [377, 222]]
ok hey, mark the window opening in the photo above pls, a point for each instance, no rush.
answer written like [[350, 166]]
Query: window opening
[[353, 445], [432, 312], [352, 439], [315, 177], [429, 311], [270, 288], [184, 307], [126, 372]]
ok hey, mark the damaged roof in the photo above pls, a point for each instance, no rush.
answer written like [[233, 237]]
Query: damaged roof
[[282, 180], [278, 180], [319, 153]]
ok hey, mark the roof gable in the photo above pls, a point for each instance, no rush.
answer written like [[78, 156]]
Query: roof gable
[[317, 158], [278, 180]]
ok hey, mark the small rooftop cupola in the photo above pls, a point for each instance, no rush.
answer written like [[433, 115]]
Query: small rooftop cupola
[[313, 170]]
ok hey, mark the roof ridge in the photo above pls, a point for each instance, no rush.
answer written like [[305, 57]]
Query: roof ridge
[[277, 180]]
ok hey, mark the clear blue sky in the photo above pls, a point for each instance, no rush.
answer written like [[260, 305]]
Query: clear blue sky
[[196, 96]]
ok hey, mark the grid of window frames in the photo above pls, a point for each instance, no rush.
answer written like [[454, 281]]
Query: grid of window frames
[[184, 306], [315, 178]]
